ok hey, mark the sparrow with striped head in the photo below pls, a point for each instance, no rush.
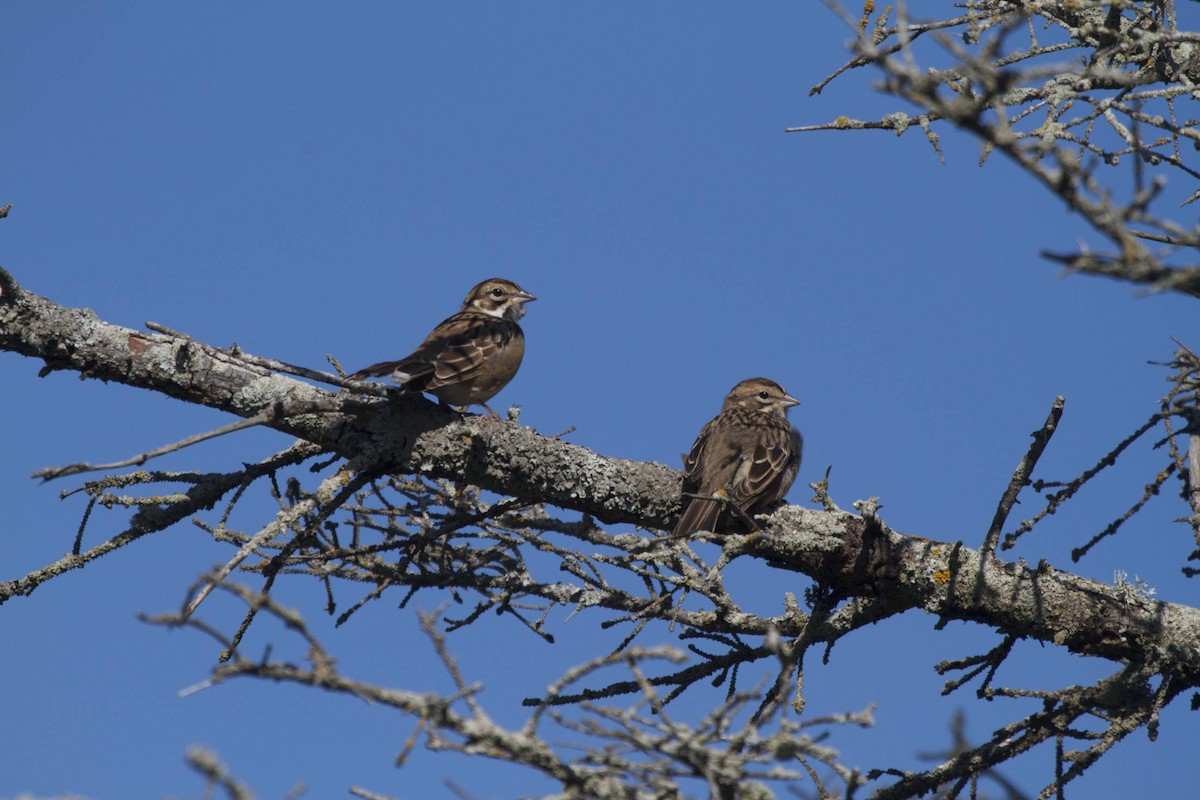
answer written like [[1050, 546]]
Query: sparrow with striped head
[[749, 454], [469, 357]]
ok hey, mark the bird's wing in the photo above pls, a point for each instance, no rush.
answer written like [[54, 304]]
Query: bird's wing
[[467, 345], [763, 467]]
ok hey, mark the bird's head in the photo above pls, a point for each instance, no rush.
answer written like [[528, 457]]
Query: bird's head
[[498, 297], [762, 395]]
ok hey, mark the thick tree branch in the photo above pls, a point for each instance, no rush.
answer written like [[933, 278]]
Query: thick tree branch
[[854, 556], [407, 433]]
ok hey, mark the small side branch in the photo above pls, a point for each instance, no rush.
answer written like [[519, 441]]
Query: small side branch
[[1020, 477], [271, 415], [50, 473], [1068, 491], [206, 763], [329, 496], [278, 366], [1193, 461]]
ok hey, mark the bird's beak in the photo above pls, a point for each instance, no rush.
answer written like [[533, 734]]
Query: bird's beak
[[788, 401], [523, 297]]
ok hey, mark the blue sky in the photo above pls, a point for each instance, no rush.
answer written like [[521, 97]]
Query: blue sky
[[304, 181]]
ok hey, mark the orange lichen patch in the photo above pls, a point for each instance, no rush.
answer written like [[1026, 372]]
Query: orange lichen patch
[[868, 10], [941, 576]]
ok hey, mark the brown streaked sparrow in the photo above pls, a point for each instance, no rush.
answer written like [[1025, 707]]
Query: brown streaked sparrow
[[749, 454], [471, 356]]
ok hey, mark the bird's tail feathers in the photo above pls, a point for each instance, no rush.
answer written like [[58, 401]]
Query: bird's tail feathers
[[375, 370], [402, 372], [700, 515]]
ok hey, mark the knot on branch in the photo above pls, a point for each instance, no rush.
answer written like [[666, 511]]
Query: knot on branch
[[10, 290], [838, 549]]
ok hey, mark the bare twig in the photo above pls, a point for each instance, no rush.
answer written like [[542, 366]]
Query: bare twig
[[50, 473], [275, 365], [1021, 476], [207, 764], [1068, 490], [328, 498]]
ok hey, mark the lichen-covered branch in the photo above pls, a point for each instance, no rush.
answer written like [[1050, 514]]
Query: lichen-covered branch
[[400, 509], [1120, 101], [851, 555], [642, 751]]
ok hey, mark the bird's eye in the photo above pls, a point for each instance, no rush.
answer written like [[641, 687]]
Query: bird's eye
[[497, 292], [764, 395]]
